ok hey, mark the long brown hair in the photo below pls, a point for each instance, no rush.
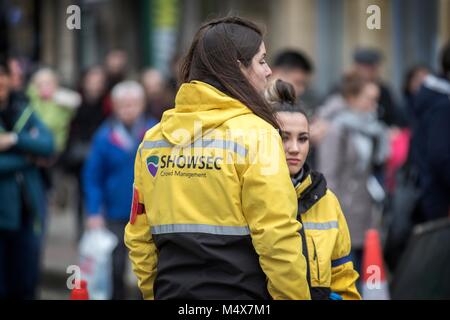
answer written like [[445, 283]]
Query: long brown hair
[[213, 57]]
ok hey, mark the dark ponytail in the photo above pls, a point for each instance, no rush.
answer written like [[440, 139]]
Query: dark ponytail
[[281, 96]]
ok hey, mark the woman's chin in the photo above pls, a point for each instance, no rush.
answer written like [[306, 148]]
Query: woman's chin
[[293, 170]]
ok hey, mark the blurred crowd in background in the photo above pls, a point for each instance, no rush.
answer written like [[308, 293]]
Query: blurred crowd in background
[[384, 151]]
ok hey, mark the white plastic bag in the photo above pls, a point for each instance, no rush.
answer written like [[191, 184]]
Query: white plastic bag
[[96, 247]]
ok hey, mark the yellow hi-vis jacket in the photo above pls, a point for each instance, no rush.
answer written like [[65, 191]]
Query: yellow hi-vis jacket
[[327, 238], [214, 211]]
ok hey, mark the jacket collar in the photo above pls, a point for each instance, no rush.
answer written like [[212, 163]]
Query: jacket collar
[[302, 179], [437, 84], [310, 190], [199, 109], [298, 178]]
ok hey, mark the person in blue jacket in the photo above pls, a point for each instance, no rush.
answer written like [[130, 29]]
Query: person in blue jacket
[[24, 142], [108, 171]]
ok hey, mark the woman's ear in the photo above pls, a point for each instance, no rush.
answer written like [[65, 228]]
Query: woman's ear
[[242, 68]]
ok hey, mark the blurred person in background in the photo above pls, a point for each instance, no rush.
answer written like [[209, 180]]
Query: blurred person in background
[[296, 68], [367, 64], [430, 144], [87, 120], [355, 144], [400, 137], [24, 142], [402, 209], [56, 106], [17, 67], [108, 171], [327, 249], [412, 82], [115, 66], [157, 95]]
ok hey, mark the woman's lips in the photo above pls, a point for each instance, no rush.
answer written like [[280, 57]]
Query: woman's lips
[[293, 161]]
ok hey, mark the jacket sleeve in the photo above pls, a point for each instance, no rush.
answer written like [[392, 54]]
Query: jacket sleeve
[[35, 138], [269, 205], [94, 176], [10, 162], [343, 275], [138, 239]]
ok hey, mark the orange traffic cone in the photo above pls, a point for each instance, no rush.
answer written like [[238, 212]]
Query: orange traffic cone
[[80, 292], [374, 285]]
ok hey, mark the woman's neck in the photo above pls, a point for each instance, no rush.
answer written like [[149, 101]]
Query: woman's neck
[[298, 177]]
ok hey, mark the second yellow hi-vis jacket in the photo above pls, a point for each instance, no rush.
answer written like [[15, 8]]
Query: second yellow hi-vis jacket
[[327, 238], [214, 212]]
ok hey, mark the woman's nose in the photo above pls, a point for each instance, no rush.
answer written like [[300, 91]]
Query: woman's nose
[[293, 147], [268, 72]]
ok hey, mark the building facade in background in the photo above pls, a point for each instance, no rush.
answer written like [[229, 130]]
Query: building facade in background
[[153, 31]]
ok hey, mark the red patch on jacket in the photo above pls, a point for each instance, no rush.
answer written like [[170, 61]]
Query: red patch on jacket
[[136, 207]]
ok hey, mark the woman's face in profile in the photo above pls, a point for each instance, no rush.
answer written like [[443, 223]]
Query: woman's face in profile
[[258, 71]]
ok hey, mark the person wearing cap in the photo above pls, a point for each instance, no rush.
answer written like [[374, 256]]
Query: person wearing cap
[[367, 64], [24, 142]]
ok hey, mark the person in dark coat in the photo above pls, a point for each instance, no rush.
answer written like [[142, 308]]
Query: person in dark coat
[[367, 63], [24, 142], [430, 145], [87, 120]]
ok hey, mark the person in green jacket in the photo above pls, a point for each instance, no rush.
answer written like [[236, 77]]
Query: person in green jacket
[[24, 142], [54, 105]]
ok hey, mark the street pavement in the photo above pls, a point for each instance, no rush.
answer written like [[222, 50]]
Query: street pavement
[[61, 245]]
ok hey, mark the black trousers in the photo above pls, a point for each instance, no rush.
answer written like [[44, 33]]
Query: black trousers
[[19, 263], [119, 259]]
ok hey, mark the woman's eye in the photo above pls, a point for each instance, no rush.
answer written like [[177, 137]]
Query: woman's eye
[[303, 139], [262, 62]]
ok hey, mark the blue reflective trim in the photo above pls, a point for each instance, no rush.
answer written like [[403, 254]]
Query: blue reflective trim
[[156, 144], [320, 225], [226, 144], [341, 261], [335, 296], [209, 143], [200, 228]]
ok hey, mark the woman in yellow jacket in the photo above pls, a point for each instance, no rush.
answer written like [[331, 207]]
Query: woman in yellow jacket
[[214, 212], [326, 239]]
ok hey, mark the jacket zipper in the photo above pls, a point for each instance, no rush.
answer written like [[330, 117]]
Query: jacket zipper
[[316, 259]]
